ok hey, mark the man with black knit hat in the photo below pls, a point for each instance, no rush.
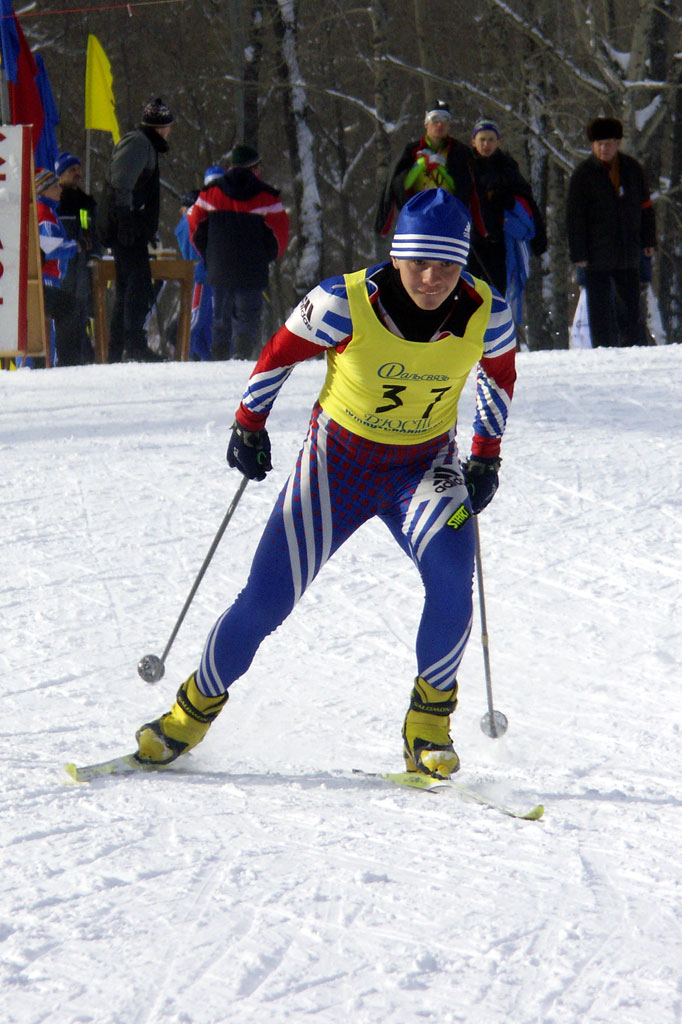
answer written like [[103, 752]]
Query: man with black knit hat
[[128, 220], [611, 226], [239, 226]]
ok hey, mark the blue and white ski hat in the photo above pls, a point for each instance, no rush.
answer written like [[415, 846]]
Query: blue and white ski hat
[[433, 225], [212, 174], [63, 162]]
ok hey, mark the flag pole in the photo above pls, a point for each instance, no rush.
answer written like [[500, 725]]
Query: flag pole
[[4, 98], [87, 160]]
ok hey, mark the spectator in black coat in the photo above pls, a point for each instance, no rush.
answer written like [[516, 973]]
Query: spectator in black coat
[[499, 186], [239, 226], [611, 225], [128, 219], [436, 160]]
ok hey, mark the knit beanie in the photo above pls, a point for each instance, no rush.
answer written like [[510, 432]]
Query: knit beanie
[[484, 124], [433, 225], [212, 174], [63, 162], [244, 156], [604, 128], [44, 178], [440, 109], [156, 114]]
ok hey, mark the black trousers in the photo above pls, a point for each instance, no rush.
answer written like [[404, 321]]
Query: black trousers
[[134, 297], [613, 307], [62, 308]]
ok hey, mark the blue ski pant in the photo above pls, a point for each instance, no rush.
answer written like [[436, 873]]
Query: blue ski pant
[[340, 481]]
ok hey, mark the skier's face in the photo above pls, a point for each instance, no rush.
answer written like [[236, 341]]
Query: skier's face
[[427, 282]]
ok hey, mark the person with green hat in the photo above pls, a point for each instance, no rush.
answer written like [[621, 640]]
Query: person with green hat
[[400, 340], [239, 227]]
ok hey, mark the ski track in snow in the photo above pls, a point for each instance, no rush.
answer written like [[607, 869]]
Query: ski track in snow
[[258, 880]]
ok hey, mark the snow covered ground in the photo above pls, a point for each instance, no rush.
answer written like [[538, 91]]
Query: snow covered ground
[[260, 882]]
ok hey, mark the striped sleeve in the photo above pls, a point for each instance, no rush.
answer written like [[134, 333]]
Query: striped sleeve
[[320, 321], [494, 380], [54, 242]]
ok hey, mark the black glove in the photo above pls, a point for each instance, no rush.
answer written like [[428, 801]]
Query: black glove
[[249, 452], [125, 226], [480, 476]]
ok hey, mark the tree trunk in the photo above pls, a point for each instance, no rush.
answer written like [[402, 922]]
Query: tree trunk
[[379, 15], [308, 270]]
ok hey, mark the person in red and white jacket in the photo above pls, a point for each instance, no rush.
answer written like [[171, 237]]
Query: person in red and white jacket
[[239, 226], [56, 250]]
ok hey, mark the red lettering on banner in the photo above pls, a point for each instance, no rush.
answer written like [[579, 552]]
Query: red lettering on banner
[[2, 270]]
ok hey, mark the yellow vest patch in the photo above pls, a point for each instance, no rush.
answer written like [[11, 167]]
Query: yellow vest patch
[[393, 390]]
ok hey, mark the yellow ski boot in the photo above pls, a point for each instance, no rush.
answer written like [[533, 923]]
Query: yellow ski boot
[[181, 728], [427, 743]]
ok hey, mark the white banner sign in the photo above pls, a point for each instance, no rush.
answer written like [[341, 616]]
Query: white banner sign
[[14, 200]]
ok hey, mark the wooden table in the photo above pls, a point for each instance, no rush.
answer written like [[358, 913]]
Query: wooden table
[[163, 269]]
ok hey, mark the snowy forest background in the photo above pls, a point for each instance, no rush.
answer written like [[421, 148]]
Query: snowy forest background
[[329, 92]]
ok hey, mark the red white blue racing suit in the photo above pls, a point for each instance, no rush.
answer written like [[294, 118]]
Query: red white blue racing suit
[[381, 442]]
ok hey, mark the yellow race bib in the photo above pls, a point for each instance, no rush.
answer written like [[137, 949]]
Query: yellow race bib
[[393, 390]]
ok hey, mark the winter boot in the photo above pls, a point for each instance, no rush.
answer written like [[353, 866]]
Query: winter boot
[[427, 744], [185, 725]]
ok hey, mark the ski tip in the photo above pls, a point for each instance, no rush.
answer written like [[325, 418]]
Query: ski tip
[[72, 771], [535, 814]]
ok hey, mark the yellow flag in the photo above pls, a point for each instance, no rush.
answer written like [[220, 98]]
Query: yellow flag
[[100, 112]]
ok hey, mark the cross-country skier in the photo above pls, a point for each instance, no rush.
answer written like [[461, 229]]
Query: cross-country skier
[[400, 340]]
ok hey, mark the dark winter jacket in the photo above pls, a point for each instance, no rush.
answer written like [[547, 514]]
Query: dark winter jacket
[[239, 226], [394, 196], [608, 228], [499, 183], [132, 183], [77, 212]]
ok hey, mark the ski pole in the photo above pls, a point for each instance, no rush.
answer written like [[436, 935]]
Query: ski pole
[[493, 723], [150, 667]]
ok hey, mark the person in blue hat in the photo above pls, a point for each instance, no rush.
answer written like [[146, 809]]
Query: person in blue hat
[[78, 213], [400, 340], [511, 225], [200, 337]]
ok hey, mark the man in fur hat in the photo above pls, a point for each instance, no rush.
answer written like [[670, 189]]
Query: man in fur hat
[[611, 226]]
